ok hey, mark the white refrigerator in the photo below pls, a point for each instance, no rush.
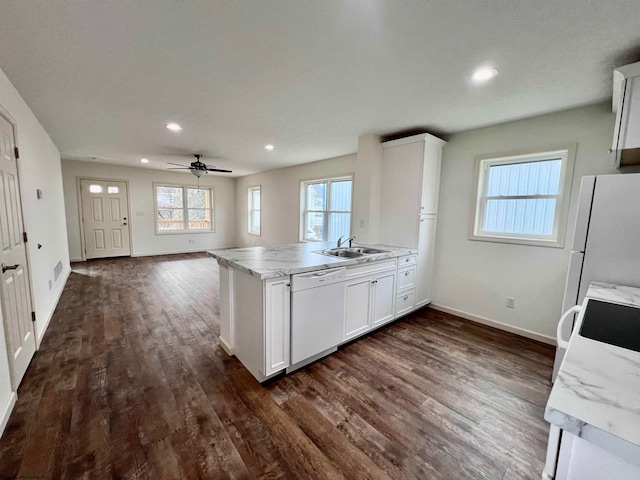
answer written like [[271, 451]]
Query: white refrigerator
[[606, 248], [606, 244]]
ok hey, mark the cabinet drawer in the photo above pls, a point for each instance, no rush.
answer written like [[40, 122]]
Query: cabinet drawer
[[406, 278], [405, 302], [369, 268], [407, 260]]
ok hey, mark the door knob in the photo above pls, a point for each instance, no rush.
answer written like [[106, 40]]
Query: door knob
[[9, 267], [124, 223]]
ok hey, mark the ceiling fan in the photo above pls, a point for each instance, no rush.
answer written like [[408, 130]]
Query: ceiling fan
[[198, 168]]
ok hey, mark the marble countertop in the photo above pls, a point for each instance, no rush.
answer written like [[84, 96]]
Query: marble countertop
[[278, 261], [597, 393]]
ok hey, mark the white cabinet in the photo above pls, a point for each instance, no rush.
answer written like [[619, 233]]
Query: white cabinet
[[426, 253], [405, 302], [406, 285], [626, 105], [277, 322], [370, 292], [410, 187], [262, 323], [357, 305], [406, 278], [409, 207], [579, 459], [384, 296]]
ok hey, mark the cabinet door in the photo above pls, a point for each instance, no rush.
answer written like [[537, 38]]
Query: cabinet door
[[400, 194], [277, 322], [430, 179], [424, 267], [384, 297], [357, 306]]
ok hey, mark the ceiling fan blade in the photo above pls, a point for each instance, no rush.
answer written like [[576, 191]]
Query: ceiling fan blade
[[178, 164], [218, 170], [179, 168]]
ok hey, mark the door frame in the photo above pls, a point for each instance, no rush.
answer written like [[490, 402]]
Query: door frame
[[81, 211], [34, 325]]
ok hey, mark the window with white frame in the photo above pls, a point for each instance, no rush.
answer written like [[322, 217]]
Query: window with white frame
[[183, 209], [254, 210], [326, 209], [523, 198]]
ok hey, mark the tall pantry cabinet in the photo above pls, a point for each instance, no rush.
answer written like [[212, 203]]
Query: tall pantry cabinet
[[409, 202]]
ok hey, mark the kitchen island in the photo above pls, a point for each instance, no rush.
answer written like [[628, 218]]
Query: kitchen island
[[255, 298]]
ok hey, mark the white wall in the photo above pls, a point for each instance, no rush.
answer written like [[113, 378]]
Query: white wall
[[280, 199], [39, 167], [144, 240], [365, 222], [473, 278]]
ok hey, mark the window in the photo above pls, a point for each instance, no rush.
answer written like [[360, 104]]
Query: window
[[181, 209], [326, 209], [254, 210], [111, 189], [524, 198], [95, 188]]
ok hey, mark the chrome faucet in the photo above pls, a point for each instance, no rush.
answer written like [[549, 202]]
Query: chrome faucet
[[342, 242]]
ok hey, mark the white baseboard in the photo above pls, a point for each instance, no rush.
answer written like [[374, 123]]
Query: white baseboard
[[523, 332], [72, 260], [6, 411], [225, 346], [40, 335]]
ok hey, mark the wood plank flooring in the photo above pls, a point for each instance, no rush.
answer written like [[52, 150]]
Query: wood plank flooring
[[130, 383]]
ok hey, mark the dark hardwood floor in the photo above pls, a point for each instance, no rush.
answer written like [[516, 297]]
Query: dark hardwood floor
[[130, 383]]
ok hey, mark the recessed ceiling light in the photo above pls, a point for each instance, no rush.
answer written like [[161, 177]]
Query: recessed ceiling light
[[483, 74], [144, 160], [269, 147], [174, 127]]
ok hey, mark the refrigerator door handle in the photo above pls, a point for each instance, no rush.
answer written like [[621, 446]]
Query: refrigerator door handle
[[562, 343]]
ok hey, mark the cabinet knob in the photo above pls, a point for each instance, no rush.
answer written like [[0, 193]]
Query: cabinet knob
[[406, 274], [287, 284], [405, 297]]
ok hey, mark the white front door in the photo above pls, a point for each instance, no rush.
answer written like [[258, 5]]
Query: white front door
[[16, 292], [105, 218]]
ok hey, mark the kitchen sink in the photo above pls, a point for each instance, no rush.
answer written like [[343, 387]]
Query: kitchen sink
[[366, 250], [351, 252], [341, 253]]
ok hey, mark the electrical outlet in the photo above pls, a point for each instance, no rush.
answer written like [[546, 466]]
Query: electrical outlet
[[192, 241], [511, 302]]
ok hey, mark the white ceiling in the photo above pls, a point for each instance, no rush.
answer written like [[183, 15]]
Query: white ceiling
[[104, 77]]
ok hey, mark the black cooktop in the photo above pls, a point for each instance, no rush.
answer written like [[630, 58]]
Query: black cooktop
[[612, 323]]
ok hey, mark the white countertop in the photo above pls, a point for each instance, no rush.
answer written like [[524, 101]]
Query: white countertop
[[597, 393], [278, 261]]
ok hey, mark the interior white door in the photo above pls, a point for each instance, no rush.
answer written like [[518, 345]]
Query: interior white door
[[16, 292], [105, 218]]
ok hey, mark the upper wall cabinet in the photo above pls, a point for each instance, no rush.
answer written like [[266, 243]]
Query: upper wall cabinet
[[410, 187], [626, 105]]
